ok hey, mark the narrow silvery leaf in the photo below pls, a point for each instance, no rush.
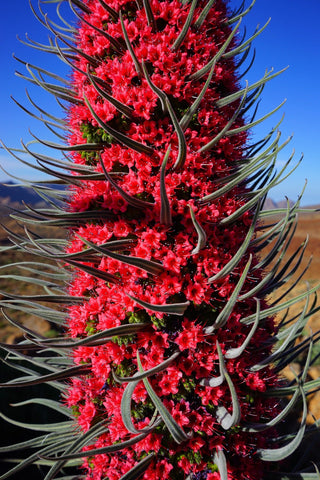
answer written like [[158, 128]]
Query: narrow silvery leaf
[[216, 381], [108, 277], [234, 96], [65, 374], [162, 96], [202, 237], [187, 117], [176, 431], [207, 68], [236, 352], [138, 469], [154, 268], [95, 339], [150, 16], [112, 12], [118, 136], [241, 15], [221, 462], [49, 427], [293, 333], [232, 264], [226, 128], [182, 153], [126, 412], [147, 373], [167, 308], [226, 311], [129, 47], [165, 210], [135, 202], [203, 14], [121, 107], [278, 454], [186, 26], [242, 46]]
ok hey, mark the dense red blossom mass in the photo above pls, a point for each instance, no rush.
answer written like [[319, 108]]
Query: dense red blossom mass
[[183, 270]]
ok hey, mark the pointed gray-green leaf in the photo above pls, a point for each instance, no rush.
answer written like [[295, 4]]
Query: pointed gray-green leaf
[[247, 43], [197, 75], [116, 447], [237, 16], [116, 45], [204, 13], [118, 136], [126, 412], [226, 128], [129, 47], [154, 268], [97, 338], [112, 12], [40, 441], [162, 96], [226, 419], [288, 408], [167, 308], [79, 442], [29, 460], [221, 462], [54, 405], [294, 331], [227, 310], [202, 236], [216, 381], [277, 308], [176, 431], [149, 14], [133, 201], [233, 263], [237, 351], [95, 272], [165, 211], [44, 427], [83, 147], [182, 153], [65, 374], [187, 117], [276, 180], [278, 454], [147, 373], [185, 27], [121, 107], [137, 471], [234, 96]]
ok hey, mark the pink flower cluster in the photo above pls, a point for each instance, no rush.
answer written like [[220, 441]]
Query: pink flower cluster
[[183, 274]]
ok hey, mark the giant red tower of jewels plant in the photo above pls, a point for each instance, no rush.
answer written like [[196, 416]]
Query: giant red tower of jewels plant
[[175, 369]]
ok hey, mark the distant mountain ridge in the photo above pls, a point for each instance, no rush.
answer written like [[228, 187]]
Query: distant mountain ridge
[[14, 194]]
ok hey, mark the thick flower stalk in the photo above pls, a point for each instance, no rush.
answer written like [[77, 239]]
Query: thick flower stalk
[[175, 369]]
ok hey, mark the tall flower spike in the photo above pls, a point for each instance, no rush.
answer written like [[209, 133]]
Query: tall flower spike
[[167, 361]]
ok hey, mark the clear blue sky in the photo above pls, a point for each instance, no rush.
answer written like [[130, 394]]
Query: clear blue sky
[[291, 38]]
